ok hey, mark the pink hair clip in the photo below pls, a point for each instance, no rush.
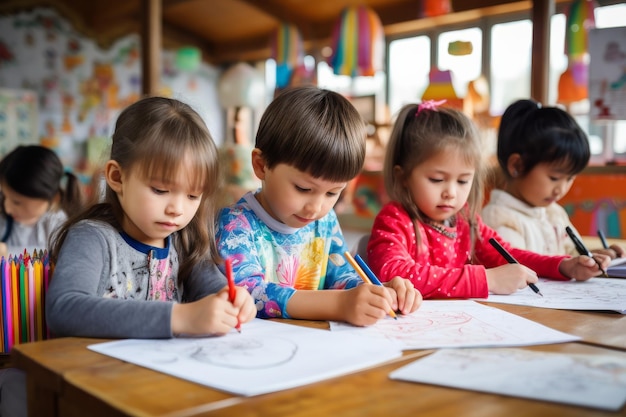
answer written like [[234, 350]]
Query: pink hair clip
[[429, 105]]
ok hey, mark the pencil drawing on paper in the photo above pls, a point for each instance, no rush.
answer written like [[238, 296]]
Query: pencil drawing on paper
[[592, 380], [239, 352], [594, 294], [459, 323], [440, 327]]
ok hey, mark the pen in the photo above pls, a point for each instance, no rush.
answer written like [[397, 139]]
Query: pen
[[510, 259], [365, 276], [582, 249], [231, 287], [603, 239]]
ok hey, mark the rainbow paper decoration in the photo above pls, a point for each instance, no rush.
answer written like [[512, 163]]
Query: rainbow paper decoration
[[358, 43], [288, 52], [24, 282], [580, 18], [572, 85]]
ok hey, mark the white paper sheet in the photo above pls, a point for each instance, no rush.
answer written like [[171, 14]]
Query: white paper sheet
[[458, 323], [597, 381], [594, 294], [266, 356]]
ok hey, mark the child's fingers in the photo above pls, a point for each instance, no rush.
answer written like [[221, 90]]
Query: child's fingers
[[619, 251], [381, 298]]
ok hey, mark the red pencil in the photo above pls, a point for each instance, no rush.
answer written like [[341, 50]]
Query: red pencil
[[231, 287]]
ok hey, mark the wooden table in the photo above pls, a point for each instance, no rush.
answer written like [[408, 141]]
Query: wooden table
[[605, 329], [74, 381]]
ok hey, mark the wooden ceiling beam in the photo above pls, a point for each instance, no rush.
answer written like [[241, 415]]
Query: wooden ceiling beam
[[102, 15], [176, 37]]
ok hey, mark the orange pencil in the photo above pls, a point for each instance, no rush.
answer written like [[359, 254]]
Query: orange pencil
[[364, 276], [231, 287]]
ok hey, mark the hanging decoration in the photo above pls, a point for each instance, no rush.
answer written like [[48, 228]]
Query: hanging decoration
[[440, 87], [358, 43], [573, 82], [288, 52], [432, 8], [241, 86], [188, 58]]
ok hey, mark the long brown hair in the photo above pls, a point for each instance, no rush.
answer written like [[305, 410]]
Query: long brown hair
[[419, 135], [152, 137]]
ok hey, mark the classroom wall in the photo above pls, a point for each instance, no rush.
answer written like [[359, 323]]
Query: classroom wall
[[598, 201], [81, 87]]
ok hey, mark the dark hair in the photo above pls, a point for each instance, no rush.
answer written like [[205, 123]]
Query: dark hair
[[152, 138], [37, 172], [418, 136], [314, 130], [541, 135]]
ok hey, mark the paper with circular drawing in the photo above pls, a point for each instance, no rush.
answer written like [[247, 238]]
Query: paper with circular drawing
[[265, 357]]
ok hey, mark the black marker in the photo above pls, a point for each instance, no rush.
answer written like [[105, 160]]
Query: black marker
[[603, 239], [582, 249], [510, 259]]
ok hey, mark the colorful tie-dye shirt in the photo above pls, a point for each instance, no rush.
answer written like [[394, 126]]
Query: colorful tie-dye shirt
[[273, 260]]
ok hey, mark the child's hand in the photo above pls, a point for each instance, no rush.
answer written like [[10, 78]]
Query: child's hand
[[582, 267], [213, 314], [245, 304], [406, 298], [507, 279], [614, 251], [3, 249], [619, 251], [365, 304]]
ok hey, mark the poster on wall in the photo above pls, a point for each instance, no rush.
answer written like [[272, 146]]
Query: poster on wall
[[607, 74], [18, 119]]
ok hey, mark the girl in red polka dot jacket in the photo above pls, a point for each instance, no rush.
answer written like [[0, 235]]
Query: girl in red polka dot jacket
[[431, 231]]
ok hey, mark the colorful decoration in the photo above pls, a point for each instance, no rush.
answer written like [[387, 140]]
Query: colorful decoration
[[460, 48], [597, 201], [441, 88], [573, 82], [580, 18], [435, 7], [188, 58], [358, 43], [287, 51], [369, 194], [241, 86], [440, 85]]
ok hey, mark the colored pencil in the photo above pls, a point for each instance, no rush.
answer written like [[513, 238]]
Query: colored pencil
[[368, 278], [231, 286]]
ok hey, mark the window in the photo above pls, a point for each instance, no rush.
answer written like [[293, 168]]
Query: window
[[511, 44], [409, 66], [464, 68]]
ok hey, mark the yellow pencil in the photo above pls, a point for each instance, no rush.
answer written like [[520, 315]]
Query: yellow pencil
[[364, 276]]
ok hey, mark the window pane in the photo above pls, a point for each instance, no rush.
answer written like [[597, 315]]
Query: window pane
[[409, 66], [558, 58], [610, 16], [510, 63], [465, 68]]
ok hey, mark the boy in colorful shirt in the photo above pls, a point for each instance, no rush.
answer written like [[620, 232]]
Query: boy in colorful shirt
[[284, 240]]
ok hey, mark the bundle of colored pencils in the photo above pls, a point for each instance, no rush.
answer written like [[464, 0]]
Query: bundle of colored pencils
[[23, 283]]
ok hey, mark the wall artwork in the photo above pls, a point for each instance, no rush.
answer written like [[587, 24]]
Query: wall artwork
[[607, 73]]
